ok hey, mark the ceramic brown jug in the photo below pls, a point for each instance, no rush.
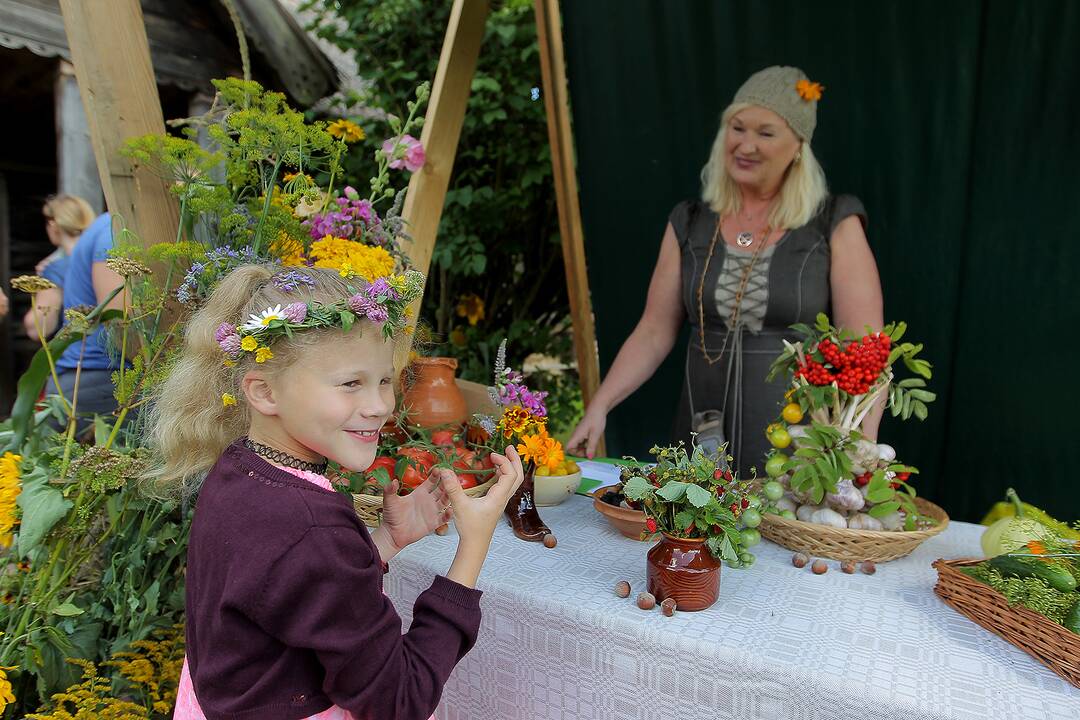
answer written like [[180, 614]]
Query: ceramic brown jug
[[684, 570], [432, 398]]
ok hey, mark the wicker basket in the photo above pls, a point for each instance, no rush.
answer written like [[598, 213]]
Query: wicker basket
[[856, 545], [1042, 638], [369, 507]]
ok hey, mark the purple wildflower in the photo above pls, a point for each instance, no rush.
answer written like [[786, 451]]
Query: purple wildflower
[[295, 312], [223, 331], [377, 313], [291, 281], [230, 344], [360, 303]]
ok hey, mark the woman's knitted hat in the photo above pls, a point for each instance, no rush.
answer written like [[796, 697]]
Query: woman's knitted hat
[[788, 93]]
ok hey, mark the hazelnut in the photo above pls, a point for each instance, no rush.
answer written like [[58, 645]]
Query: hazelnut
[[668, 606], [799, 560], [549, 541], [869, 567], [820, 567], [646, 601], [622, 589], [848, 566]]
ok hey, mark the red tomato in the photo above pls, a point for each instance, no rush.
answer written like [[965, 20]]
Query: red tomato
[[414, 477], [467, 481], [442, 438], [418, 456], [383, 462]]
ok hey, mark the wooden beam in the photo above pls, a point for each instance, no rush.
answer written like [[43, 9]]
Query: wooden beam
[[557, 106], [116, 80], [442, 127]]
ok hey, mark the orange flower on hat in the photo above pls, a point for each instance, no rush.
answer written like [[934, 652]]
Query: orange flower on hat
[[809, 90]]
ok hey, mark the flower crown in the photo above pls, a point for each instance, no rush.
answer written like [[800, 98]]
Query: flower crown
[[384, 302]]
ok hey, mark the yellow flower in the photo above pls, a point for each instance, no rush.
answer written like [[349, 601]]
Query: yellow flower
[[6, 696], [263, 354], [289, 249], [337, 253], [228, 363], [514, 420], [346, 270], [249, 343], [471, 306], [809, 90], [542, 449], [397, 282], [10, 488], [347, 130], [228, 399]]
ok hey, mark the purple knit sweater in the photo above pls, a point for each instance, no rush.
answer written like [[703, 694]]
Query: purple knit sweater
[[285, 610]]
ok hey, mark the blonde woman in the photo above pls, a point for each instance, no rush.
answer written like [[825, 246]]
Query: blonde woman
[[766, 246], [66, 216]]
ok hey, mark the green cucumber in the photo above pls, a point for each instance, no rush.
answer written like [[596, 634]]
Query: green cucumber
[[1072, 620], [1053, 574]]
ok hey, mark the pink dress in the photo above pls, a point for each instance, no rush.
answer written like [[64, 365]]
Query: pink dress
[[187, 706]]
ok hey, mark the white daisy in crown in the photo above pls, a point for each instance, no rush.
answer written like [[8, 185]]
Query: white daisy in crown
[[256, 323]]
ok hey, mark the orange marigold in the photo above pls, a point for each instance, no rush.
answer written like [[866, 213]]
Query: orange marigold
[[1036, 548], [809, 90]]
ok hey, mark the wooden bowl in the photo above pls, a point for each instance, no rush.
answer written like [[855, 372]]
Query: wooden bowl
[[630, 523]]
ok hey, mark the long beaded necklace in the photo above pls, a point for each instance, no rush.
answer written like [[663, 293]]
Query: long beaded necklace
[[283, 458], [744, 239]]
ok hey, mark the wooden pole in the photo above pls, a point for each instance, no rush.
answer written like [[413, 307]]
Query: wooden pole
[[557, 106], [116, 80], [442, 128]]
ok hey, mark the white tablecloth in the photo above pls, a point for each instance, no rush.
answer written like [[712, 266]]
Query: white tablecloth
[[556, 643]]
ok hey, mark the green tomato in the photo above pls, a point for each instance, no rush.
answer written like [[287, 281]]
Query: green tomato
[[751, 518], [788, 515], [746, 559], [750, 537], [755, 501], [734, 564], [773, 490], [774, 466]]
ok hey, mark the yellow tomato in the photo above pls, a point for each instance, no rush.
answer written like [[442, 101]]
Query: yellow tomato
[[542, 471], [792, 413], [572, 467], [780, 438]]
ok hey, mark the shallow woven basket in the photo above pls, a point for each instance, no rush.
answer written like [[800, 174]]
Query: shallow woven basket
[[1038, 636], [856, 545], [369, 507]]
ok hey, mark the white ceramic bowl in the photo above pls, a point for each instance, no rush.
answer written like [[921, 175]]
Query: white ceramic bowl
[[553, 489]]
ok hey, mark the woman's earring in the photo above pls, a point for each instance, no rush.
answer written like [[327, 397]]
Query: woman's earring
[[798, 157]]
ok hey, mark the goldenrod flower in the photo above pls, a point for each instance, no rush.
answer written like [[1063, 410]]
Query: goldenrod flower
[[472, 307], [228, 399], [347, 130], [351, 257], [10, 488], [249, 343], [263, 354], [6, 696], [126, 267]]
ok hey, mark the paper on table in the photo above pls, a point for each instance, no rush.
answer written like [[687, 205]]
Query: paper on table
[[596, 474]]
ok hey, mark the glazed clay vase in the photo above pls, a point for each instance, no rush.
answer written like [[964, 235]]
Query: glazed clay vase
[[521, 510], [432, 398], [684, 570]]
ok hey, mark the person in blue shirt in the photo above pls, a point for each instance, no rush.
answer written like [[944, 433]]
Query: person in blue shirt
[[87, 282], [66, 217]]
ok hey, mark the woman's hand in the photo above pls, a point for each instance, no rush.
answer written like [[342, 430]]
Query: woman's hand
[[407, 518], [588, 432]]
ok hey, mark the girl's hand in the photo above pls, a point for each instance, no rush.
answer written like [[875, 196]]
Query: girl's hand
[[407, 518], [476, 518]]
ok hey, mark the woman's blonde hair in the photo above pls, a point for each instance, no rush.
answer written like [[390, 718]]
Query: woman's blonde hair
[[71, 213], [802, 191], [190, 425]]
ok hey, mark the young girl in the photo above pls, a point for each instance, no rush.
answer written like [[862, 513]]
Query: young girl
[[281, 371]]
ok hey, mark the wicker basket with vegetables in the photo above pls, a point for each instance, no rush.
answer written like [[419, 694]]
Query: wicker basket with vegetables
[[1026, 592], [832, 491]]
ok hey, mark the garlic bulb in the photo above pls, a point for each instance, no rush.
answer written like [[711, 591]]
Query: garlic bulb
[[805, 511], [797, 431], [862, 521], [846, 497], [825, 516], [892, 521], [786, 503], [886, 452]]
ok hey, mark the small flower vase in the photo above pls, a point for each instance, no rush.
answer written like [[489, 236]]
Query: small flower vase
[[432, 398], [521, 510], [684, 570]]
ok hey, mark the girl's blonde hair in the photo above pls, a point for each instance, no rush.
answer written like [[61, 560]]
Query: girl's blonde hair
[[802, 191], [71, 213], [190, 424]]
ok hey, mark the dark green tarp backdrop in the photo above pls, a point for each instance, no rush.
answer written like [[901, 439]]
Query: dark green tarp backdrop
[[956, 123]]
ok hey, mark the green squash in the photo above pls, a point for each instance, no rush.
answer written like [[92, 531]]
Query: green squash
[[1012, 533]]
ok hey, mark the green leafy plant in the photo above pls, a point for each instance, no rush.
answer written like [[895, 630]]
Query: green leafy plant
[[696, 496]]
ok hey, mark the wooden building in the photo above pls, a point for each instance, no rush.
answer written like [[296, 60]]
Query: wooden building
[[47, 145]]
